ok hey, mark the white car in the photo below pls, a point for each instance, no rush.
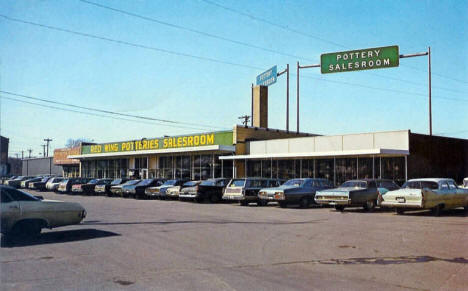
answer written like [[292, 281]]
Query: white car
[[53, 183], [24, 214]]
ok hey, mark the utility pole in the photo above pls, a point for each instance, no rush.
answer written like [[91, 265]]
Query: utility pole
[[30, 151], [43, 149], [22, 154], [47, 140], [246, 119]]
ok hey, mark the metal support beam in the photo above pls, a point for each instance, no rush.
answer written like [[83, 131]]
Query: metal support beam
[[287, 93], [430, 97]]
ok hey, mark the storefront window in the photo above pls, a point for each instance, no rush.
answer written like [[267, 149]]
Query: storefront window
[[286, 169], [254, 168], [346, 169], [266, 168], [394, 168], [227, 169], [324, 169], [307, 170], [365, 168], [165, 167], [205, 165], [182, 167]]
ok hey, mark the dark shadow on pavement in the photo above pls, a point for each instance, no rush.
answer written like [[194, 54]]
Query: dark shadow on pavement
[[56, 237], [204, 222]]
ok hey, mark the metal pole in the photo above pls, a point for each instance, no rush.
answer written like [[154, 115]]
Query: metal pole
[[297, 91], [430, 101], [252, 105], [287, 97]]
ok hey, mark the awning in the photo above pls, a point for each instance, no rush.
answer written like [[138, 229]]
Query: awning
[[368, 152], [212, 148]]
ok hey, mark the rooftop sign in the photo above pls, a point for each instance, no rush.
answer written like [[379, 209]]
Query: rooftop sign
[[268, 77], [196, 140], [357, 60]]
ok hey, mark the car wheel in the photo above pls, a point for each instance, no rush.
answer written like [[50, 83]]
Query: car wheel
[[214, 198], [243, 203], [283, 204], [304, 203], [436, 210], [399, 211], [262, 202], [369, 206], [339, 208]]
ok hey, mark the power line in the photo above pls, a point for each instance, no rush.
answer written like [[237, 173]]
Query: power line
[[284, 27], [203, 33], [95, 114], [130, 43], [287, 28], [197, 57], [104, 111]]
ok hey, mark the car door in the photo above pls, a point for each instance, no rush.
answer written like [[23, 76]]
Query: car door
[[10, 211]]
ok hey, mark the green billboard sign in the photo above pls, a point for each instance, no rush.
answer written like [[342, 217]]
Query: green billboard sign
[[194, 140], [358, 60]]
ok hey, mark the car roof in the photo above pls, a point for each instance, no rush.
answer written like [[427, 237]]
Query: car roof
[[437, 180]]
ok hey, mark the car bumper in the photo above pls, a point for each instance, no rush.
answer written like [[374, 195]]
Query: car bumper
[[333, 202], [396, 204]]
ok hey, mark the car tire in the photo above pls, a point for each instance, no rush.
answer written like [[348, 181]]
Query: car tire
[[436, 210], [339, 208], [304, 202], [283, 204], [399, 211], [369, 206], [214, 198], [262, 202]]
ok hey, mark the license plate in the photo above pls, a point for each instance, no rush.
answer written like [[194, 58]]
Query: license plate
[[401, 199]]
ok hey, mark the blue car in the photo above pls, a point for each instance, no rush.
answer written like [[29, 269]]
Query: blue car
[[295, 191]]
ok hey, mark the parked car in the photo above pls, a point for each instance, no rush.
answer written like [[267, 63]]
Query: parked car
[[173, 192], [6, 178], [429, 193], [464, 184], [25, 183], [116, 190], [16, 183], [77, 185], [160, 191], [105, 188], [355, 193], [188, 193], [138, 190], [88, 188], [52, 184], [208, 190], [40, 185], [295, 191], [24, 214], [66, 185], [245, 190]]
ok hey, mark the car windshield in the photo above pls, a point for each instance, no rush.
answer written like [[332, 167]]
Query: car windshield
[[132, 182], [45, 179], [294, 182], [420, 185], [354, 184], [191, 183], [237, 183], [116, 182], [170, 183], [209, 182], [145, 182], [94, 181]]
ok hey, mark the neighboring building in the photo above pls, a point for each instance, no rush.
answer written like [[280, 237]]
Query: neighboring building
[[71, 167], [40, 166], [15, 165], [397, 155], [4, 166]]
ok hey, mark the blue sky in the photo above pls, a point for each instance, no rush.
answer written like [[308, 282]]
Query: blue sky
[[89, 72]]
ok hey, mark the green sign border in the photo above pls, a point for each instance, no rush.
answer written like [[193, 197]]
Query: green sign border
[[392, 53], [180, 141]]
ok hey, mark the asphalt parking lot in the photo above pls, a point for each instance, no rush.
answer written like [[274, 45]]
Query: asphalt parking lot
[[169, 245]]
